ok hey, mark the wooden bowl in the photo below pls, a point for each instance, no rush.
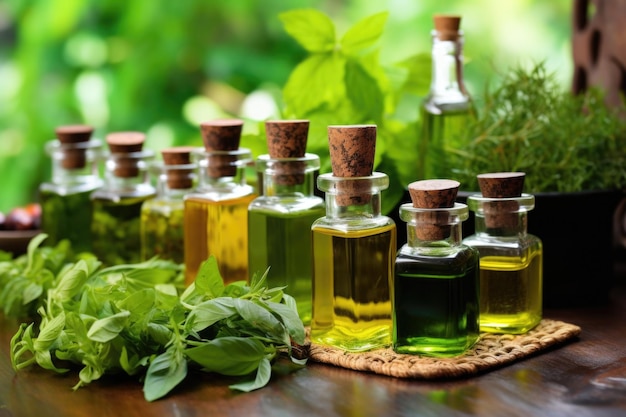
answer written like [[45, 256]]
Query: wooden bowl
[[16, 241]]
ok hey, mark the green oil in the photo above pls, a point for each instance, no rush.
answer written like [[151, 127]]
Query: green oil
[[282, 241], [352, 275], [436, 303], [67, 217], [511, 292], [162, 227], [116, 229]]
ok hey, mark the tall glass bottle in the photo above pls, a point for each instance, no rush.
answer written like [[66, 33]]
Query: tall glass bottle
[[354, 248], [280, 219], [216, 212], [117, 205], [65, 200], [447, 108], [436, 283], [162, 218], [511, 271]]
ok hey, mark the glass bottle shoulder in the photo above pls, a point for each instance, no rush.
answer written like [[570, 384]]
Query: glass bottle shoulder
[[500, 245], [348, 224], [288, 204], [456, 258], [221, 193], [71, 187]]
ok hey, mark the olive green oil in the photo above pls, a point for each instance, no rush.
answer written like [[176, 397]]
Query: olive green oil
[[282, 241], [67, 217], [353, 271], [162, 223]]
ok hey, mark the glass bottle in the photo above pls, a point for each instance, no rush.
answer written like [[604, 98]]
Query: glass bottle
[[448, 108], [117, 205], [354, 248], [65, 200], [280, 219], [216, 212], [162, 218], [510, 258], [436, 283]]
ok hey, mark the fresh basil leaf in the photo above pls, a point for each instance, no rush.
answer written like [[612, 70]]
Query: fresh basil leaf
[[71, 281], [209, 281], [364, 92], [364, 33], [263, 374], [311, 28], [228, 355], [139, 303], [165, 372], [49, 331], [291, 320], [209, 312], [259, 317], [106, 329]]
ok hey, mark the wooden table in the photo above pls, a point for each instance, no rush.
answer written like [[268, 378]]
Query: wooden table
[[566, 381]]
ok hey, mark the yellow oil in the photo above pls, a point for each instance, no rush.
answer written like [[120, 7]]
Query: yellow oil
[[352, 275], [510, 293], [218, 228]]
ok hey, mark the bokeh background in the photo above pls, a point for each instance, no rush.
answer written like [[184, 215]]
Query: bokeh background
[[162, 66]]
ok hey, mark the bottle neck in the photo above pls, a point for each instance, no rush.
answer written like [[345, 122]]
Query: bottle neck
[[75, 165], [434, 229], [502, 217], [127, 173], [174, 181], [222, 172], [447, 88], [287, 177], [353, 198]]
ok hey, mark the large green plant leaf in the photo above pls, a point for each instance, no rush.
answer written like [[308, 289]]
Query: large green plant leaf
[[363, 34], [311, 28]]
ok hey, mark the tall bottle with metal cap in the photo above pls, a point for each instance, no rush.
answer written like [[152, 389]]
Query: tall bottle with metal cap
[[162, 218], [511, 270], [65, 200], [354, 247], [448, 108], [117, 205], [436, 284], [280, 219], [216, 212]]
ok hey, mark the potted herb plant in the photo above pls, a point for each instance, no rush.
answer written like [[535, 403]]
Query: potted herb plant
[[573, 151]]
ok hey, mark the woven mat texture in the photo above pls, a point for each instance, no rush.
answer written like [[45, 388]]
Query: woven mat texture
[[490, 352]]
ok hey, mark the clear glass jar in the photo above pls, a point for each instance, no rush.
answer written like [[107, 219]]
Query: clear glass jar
[[436, 284], [448, 108], [510, 264], [216, 214], [117, 207], [354, 248], [65, 200], [280, 223], [162, 218]]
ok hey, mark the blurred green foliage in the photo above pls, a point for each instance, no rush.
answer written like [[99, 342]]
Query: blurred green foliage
[[161, 67]]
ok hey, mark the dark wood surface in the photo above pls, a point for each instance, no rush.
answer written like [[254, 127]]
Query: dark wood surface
[[586, 377]]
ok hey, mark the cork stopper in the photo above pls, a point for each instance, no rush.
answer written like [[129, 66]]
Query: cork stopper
[[68, 135], [287, 139], [352, 150], [501, 214], [433, 194], [447, 27], [221, 135], [179, 177], [121, 144]]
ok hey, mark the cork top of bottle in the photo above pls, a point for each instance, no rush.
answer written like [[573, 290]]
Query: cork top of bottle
[[447, 26], [433, 194], [287, 138], [125, 142], [179, 158], [352, 150], [501, 184], [74, 133], [74, 157], [221, 134]]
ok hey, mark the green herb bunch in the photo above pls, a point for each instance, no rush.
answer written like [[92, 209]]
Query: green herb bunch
[[133, 319], [563, 142]]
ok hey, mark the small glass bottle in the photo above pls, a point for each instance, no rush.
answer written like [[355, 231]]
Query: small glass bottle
[[117, 205], [280, 219], [216, 212], [162, 218], [65, 200], [436, 283], [354, 248], [510, 258], [448, 108]]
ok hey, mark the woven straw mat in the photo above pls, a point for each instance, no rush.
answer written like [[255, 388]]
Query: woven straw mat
[[490, 352]]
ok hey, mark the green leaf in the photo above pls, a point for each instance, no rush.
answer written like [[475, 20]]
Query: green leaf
[[209, 281], [263, 374], [311, 28], [291, 320], [364, 92], [363, 34], [31, 293], [165, 372], [71, 281], [49, 332], [139, 303], [228, 355], [108, 328], [259, 317], [209, 312]]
